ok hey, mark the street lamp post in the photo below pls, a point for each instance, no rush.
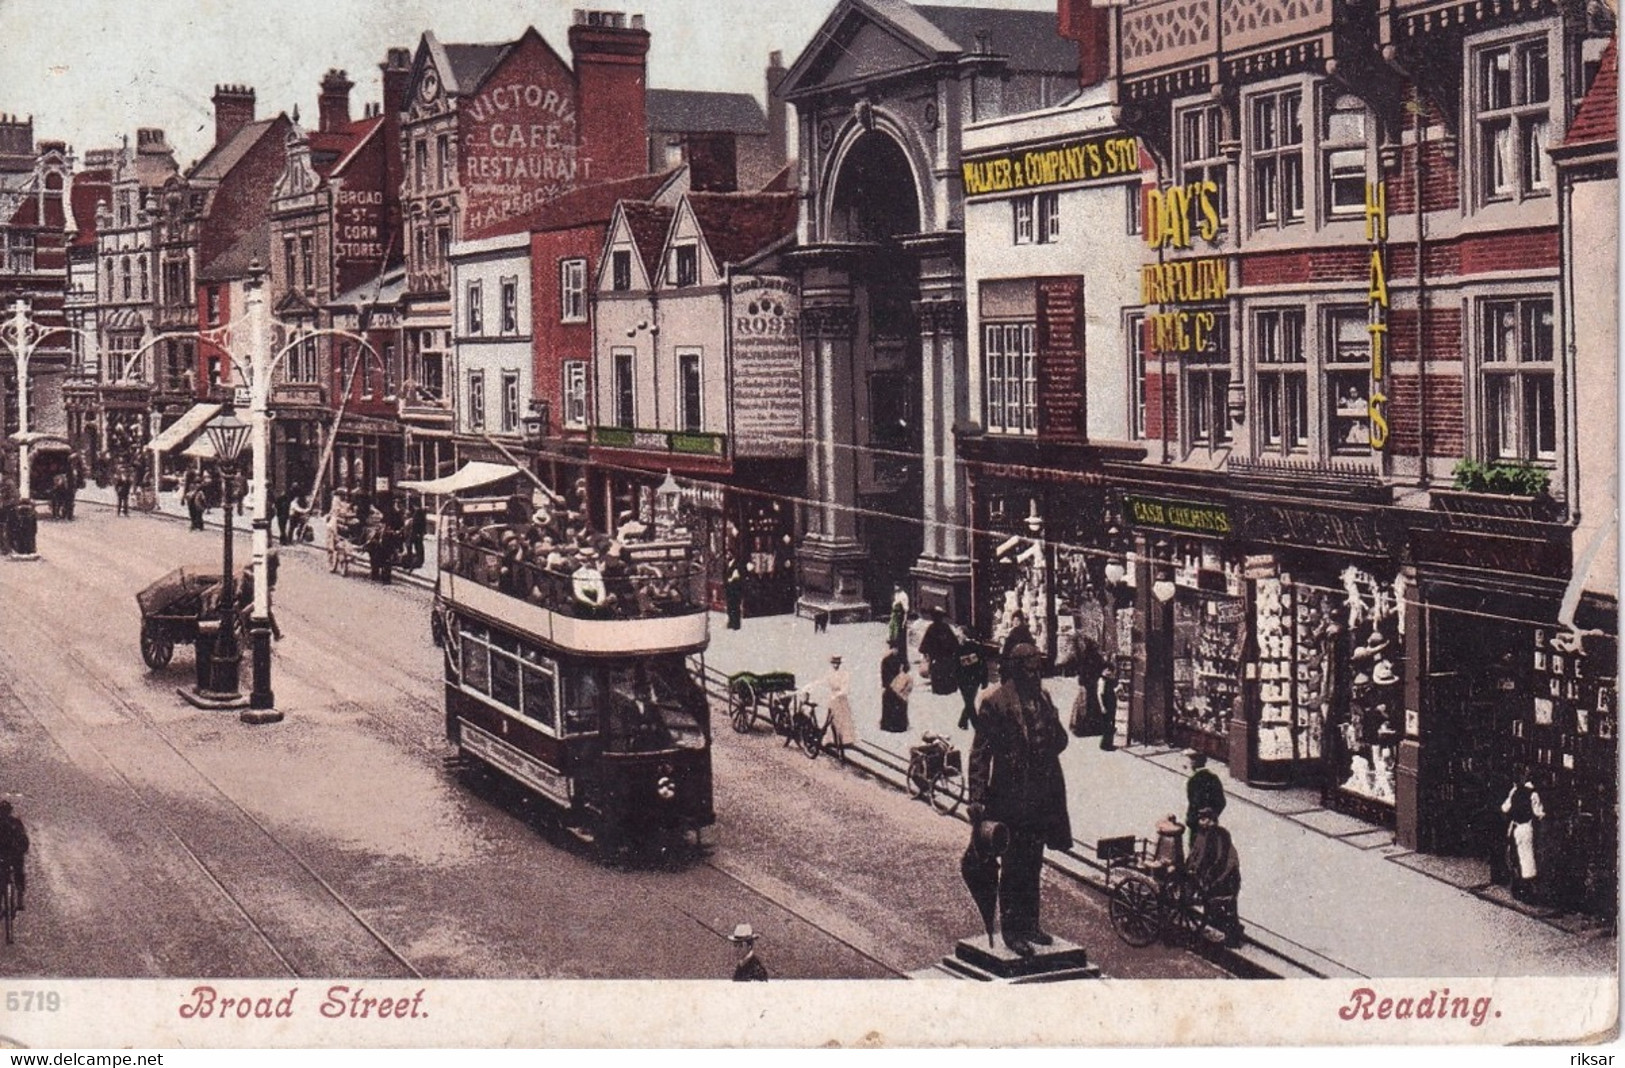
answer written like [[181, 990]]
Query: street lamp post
[[22, 350], [228, 435], [261, 700]]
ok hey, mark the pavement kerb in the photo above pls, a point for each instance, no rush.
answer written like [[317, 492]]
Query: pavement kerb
[[408, 578], [1263, 955]]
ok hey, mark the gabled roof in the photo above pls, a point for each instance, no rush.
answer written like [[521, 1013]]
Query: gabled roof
[[737, 226], [649, 224], [1597, 121], [222, 158], [90, 188], [470, 63], [595, 203], [691, 111], [361, 131], [1029, 40], [233, 263]]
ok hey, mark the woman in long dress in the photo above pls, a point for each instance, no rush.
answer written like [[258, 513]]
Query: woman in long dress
[[894, 704], [1522, 808], [840, 703]]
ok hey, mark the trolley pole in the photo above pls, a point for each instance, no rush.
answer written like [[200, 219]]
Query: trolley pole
[[261, 701]]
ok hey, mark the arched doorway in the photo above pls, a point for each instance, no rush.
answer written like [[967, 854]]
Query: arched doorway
[[876, 203]]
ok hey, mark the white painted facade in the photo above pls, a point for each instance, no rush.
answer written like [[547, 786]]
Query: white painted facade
[[491, 334]]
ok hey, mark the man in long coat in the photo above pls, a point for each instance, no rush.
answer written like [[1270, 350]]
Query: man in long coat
[[1016, 780], [940, 646]]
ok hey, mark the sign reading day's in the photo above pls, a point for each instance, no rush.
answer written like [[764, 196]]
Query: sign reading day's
[[766, 327], [1074, 161]]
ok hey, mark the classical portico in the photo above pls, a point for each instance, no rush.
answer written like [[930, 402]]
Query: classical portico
[[881, 96]]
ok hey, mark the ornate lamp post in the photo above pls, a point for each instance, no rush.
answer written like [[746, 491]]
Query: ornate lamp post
[[229, 436]]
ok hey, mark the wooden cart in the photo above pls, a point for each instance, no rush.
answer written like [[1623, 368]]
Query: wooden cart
[[173, 606]]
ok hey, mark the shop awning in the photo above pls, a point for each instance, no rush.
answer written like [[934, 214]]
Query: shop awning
[[474, 474], [201, 449], [184, 428]]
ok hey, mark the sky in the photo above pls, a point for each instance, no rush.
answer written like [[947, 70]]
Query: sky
[[91, 71]]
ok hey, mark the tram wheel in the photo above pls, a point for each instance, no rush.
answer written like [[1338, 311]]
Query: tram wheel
[[1135, 912]]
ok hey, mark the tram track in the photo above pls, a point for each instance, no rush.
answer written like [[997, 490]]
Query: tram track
[[194, 851]]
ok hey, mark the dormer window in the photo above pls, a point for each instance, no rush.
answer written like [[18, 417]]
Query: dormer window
[[620, 262], [686, 265]]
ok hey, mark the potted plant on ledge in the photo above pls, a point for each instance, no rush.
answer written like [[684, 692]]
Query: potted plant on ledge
[[1510, 490]]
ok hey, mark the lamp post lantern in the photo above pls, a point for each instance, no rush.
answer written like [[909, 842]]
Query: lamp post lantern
[[228, 435]]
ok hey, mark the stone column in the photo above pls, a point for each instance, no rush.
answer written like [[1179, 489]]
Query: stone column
[[830, 560], [942, 573]]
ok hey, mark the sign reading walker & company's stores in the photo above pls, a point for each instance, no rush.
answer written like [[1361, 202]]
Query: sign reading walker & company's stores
[[1074, 161]]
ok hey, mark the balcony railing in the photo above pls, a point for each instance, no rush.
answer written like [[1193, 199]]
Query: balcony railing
[[647, 598], [660, 441], [1163, 35]]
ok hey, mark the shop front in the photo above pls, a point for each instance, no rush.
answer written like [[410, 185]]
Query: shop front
[[1048, 544]]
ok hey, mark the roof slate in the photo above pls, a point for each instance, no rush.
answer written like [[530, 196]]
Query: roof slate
[[222, 158], [235, 261], [1597, 121], [737, 226], [1030, 38], [649, 224], [692, 111]]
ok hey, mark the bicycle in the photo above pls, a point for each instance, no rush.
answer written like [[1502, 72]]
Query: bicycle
[[936, 773], [8, 902], [809, 732]]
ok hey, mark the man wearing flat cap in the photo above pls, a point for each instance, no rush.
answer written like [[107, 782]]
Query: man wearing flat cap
[[1016, 780]]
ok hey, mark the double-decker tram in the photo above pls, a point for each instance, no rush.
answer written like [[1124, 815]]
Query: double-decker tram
[[574, 666]]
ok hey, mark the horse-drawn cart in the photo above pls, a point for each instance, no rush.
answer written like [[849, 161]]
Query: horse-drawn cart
[[173, 606]]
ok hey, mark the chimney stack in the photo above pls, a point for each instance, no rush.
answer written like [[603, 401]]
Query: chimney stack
[[1090, 26], [233, 109], [397, 79], [777, 127], [611, 66], [151, 141], [333, 106]]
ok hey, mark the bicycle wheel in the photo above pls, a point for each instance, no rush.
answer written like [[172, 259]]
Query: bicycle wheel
[[779, 713], [1135, 912], [919, 783], [946, 797], [741, 705], [809, 735]]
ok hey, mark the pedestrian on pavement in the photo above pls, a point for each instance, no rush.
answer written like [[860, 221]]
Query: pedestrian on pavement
[[733, 590], [897, 623], [1216, 869], [939, 647], [1088, 719], [122, 483], [59, 497], [1108, 707], [196, 501], [416, 530], [284, 509], [839, 684], [972, 670], [896, 683], [750, 968], [13, 847], [1016, 780], [1202, 790], [1020, 634], [1522, 808]]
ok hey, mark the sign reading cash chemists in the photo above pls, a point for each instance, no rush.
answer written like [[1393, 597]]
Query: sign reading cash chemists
[[1074, 161], [1178, 515]]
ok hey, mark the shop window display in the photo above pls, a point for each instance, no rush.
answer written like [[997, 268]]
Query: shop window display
[[1209, 629], [1366, 732], [1297, 631]]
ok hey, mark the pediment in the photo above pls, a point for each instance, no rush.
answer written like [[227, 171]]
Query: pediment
[[856, 45]]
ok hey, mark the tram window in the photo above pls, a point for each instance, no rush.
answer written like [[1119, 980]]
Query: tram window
[[504, 680], [500, 640], [476, 664], [653, 706], [538, 694], [580, 702]]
